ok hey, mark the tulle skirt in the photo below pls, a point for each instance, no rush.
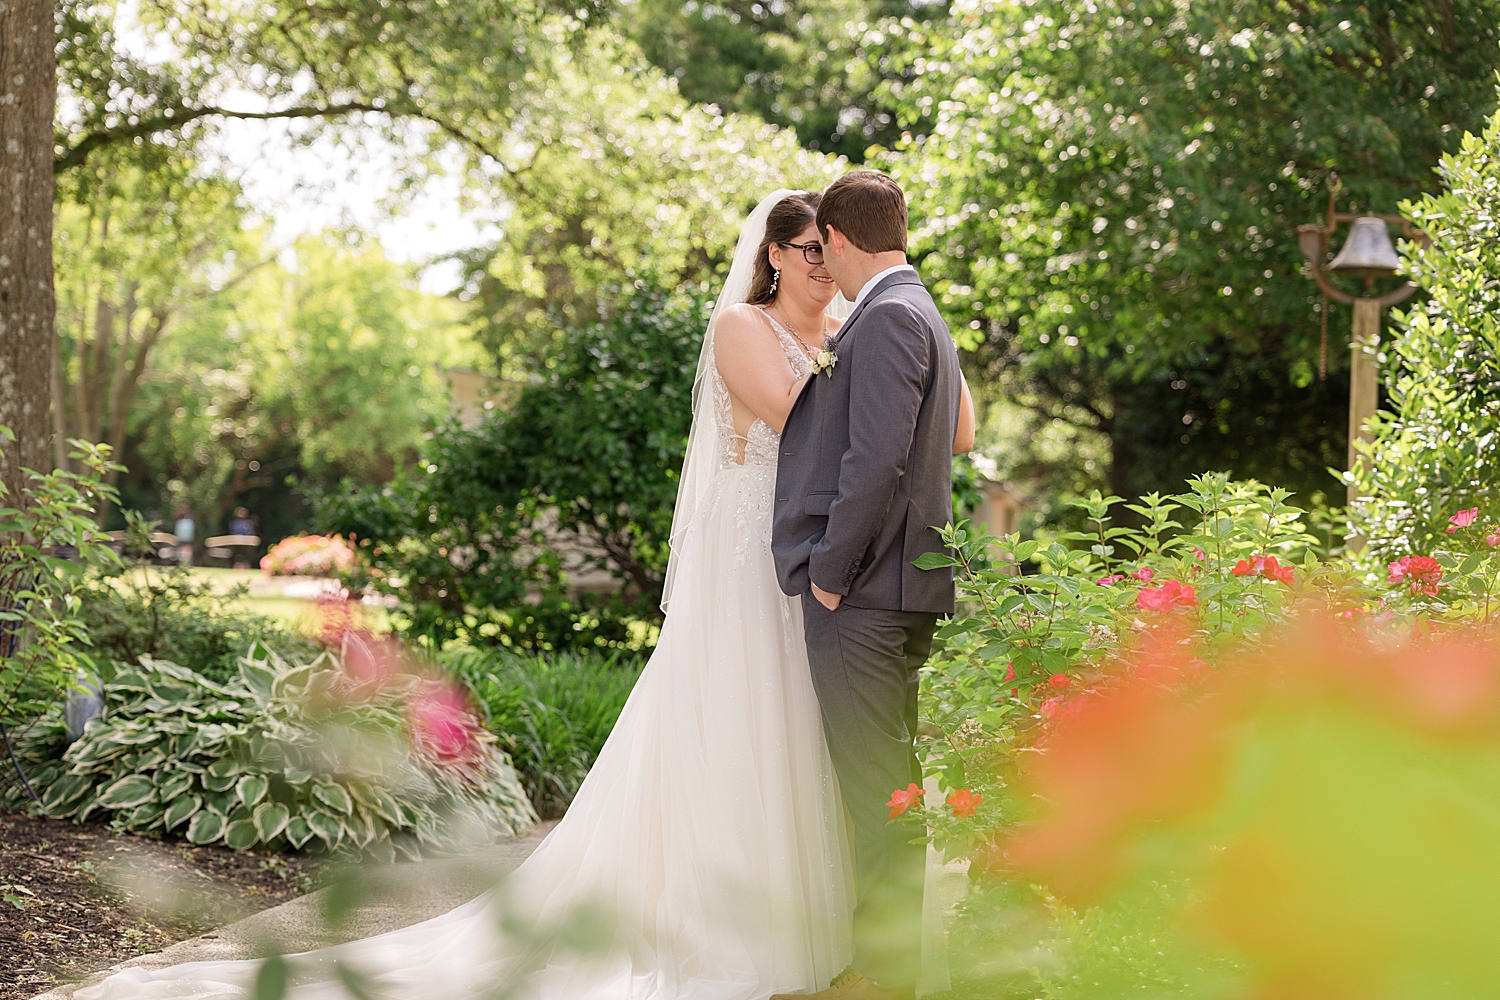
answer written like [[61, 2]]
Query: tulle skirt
[[704, 857]]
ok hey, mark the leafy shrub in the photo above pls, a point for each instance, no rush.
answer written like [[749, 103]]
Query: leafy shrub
[[309, 555], [1024, 649], [551, 713], [1436, 452], [169, 614], [42, 637], [331, 755], [587, 455]]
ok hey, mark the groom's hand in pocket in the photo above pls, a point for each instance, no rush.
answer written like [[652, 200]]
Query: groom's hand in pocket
[[829, 601]]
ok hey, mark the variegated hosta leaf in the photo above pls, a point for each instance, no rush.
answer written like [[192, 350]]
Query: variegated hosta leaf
[[328, 829], [334, 797], [298, 832], [180, 809], [252, 788], [128, 792], [240, 835], [171, 784], [205, 828], [270, 818]]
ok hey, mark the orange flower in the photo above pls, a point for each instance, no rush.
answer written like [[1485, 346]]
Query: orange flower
[[904, 799], [1059, 681], [964, 803]]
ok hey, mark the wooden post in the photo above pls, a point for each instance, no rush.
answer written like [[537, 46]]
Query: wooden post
[[1364, 375]]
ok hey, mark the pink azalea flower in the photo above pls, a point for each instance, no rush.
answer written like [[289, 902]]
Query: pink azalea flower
[[1170, 596], [442, 726], [1462, 519], [1422, 574], [1111, 580], [1145, 574]]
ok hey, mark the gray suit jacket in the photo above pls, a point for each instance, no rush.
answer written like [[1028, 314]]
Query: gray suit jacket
[[865, 472]]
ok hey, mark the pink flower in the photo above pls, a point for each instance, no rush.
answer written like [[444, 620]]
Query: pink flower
[[1059, 681], [1111, 580], [903, 799], [1493, 538], [1198, 553], [1422, 574], [1010, 673], [1462, 519], [442, 726], [965, 803], [1145, 574], [1170, 596], [1265, 566]]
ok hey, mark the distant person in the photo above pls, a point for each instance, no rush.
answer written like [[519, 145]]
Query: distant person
[[241, 524], [242, 527], [184, 529]]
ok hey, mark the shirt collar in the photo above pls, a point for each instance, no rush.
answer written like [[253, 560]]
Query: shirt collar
[[869, 285]]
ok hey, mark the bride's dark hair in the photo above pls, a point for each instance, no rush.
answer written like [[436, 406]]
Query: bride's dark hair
[[784, 223]]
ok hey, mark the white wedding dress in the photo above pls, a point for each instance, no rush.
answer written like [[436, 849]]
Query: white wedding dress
[[708, 839]]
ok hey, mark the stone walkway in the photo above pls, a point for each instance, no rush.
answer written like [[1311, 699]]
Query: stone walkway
[[401, 895]]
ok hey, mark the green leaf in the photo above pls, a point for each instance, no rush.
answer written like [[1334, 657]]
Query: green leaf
[[298, 831], [1470, 564], [934, 560], [221, 775], [258, 677], [328, 829], [180, 809], [128, 792], [171, 784], [252, 788], [334, 797], [270, 819], [205, 828], [240, 835], [271, 979]]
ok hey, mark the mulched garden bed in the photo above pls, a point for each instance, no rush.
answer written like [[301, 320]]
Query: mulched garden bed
[[75, 899]]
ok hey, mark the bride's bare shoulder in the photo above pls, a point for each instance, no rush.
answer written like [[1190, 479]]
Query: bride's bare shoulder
[[742, 315], [738, 323], [835, 323]]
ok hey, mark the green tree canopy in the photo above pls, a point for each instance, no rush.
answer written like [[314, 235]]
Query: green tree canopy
[[1108, 198], [1436, 453]]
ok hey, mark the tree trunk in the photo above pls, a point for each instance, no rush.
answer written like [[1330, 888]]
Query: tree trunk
[[28, 95]]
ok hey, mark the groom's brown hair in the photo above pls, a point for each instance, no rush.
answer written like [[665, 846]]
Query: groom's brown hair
[[868, 208]]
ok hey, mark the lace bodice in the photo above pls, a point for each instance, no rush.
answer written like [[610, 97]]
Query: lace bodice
[[757, 446]]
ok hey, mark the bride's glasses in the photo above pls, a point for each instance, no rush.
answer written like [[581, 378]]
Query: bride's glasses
[[811, 252]]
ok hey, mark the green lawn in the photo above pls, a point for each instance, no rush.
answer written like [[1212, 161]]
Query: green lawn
[[285, 598]]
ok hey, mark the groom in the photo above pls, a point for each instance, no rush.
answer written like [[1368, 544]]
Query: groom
[[864, 475]]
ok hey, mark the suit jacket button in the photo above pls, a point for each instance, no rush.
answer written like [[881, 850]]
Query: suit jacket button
[[781, 499]]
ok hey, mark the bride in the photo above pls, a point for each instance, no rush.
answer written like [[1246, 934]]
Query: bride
[[708, 841]]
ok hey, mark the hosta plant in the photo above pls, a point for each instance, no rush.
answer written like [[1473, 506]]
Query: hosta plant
[[343, 754]]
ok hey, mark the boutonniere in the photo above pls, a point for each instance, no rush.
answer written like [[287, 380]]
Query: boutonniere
[[823, 361]]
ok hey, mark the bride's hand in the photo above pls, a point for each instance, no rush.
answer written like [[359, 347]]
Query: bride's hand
[[963, 441]]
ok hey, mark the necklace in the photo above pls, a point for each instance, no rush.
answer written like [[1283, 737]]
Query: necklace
[[811, 352]]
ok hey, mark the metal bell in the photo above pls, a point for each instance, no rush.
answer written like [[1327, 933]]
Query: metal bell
[[1369, 252]]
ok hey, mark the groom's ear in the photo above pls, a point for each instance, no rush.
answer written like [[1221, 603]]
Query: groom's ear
[[834, 241]]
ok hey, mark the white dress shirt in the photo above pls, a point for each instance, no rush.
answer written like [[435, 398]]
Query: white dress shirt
[[877, 279]]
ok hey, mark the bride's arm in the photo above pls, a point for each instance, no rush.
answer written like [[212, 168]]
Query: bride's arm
[[963, 441], [754, 365]]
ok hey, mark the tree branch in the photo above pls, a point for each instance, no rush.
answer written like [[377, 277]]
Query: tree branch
[[77, 154]]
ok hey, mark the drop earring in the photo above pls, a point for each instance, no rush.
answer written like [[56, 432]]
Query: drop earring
[[775, 279]]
